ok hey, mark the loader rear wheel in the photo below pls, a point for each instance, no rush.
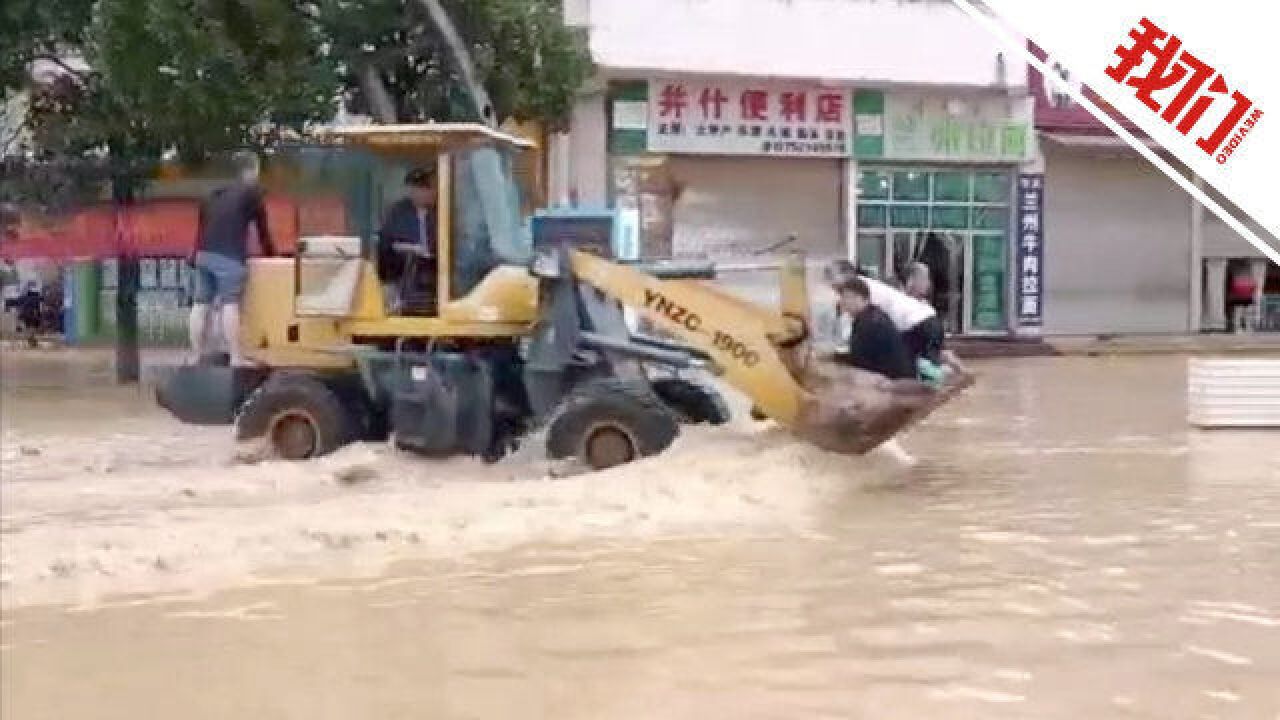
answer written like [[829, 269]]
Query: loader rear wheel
[[694, 404], [299, 415], [610, 422]]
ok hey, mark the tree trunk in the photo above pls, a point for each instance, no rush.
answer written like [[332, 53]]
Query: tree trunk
[[128, 355], [380, 102]]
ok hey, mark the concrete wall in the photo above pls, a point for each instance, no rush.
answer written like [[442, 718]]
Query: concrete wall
[[1117, 246], [869, 42], [588, 165]]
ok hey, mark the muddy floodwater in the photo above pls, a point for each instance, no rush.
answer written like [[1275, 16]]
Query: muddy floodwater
[[1062, 546]]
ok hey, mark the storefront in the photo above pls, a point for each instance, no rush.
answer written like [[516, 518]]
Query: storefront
[[1126, 251], [936, 177], [730, 170], [1225, 257], [739, 172]]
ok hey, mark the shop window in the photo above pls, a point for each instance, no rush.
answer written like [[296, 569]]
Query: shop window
[[909, 216], [950, 217], [873, 186], [953, 219], [873, 216], [952, 187], [990, 218], [911, 185], [988, 283], [871, 253], [991, 188]]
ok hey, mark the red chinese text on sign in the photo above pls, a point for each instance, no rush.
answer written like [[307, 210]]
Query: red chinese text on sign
[[1171, 67], [712, 101], [793, 106], [673, 101], [830, 108], [755, 105]]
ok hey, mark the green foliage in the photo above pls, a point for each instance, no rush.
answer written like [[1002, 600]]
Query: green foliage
[[30, 29], [194, 77], [530, 63], [142, 78], [200, 76]]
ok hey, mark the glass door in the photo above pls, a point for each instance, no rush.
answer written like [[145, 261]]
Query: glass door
[[945, 254], [986, 308], [956, 221]]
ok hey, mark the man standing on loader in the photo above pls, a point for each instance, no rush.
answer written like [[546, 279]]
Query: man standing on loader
[[221, 259]]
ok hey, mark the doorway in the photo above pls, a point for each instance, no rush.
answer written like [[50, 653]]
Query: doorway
[[953, 220]]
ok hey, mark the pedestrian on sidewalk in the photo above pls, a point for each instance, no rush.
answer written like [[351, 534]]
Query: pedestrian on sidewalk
[[1240, 300]]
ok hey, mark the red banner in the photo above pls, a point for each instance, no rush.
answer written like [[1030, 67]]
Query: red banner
[[161, 228]]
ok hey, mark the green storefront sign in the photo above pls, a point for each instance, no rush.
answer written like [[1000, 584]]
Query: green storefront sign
[[906, 126], [988, 283]]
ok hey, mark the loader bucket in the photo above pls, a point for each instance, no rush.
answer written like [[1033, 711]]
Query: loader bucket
[[851, 411], [205, 394]]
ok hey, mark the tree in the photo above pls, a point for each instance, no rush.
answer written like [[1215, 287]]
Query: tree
[[136, 80], [530, 63]]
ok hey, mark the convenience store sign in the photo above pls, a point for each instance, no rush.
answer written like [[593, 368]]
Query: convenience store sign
[[748, 118]]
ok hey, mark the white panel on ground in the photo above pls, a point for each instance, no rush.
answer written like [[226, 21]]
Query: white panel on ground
[[1226, 393]]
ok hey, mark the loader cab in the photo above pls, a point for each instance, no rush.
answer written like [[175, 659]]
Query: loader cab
[[476, 274]]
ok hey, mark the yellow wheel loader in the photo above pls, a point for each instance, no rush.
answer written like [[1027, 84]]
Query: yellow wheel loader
[[523, 329]]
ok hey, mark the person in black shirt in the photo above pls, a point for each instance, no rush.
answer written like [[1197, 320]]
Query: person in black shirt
[[222, 250], [409, 221], [875, 344]]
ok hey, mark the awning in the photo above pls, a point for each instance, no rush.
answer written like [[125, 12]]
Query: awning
[[1100, 142]]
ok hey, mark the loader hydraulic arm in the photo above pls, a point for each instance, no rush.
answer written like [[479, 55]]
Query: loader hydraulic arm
[[758, 351]]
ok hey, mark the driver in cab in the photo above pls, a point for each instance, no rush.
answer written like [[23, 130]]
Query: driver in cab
[[409, 228]]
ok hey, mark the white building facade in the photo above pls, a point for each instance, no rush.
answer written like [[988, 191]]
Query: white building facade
[[1124, 249], [883, 131]]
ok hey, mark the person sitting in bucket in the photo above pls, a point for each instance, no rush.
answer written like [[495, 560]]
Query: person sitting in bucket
[[875, 344], [917, 322]]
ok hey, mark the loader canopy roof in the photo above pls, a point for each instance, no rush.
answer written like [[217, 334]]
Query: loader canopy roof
[[406, 140], [486, 196]]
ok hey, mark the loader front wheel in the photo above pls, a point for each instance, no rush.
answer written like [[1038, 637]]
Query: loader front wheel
[[300, 417], [605, 423]]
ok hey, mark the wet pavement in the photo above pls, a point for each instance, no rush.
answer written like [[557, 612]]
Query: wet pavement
[[1063, 547]]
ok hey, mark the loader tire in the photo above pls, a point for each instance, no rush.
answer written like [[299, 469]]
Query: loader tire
[[609, 422], [300, 416], [693, 403]]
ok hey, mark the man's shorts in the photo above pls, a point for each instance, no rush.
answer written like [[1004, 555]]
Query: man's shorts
[[218, 278]]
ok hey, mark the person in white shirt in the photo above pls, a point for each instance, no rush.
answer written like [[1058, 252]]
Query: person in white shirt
[[915, 320], [919, 284]]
